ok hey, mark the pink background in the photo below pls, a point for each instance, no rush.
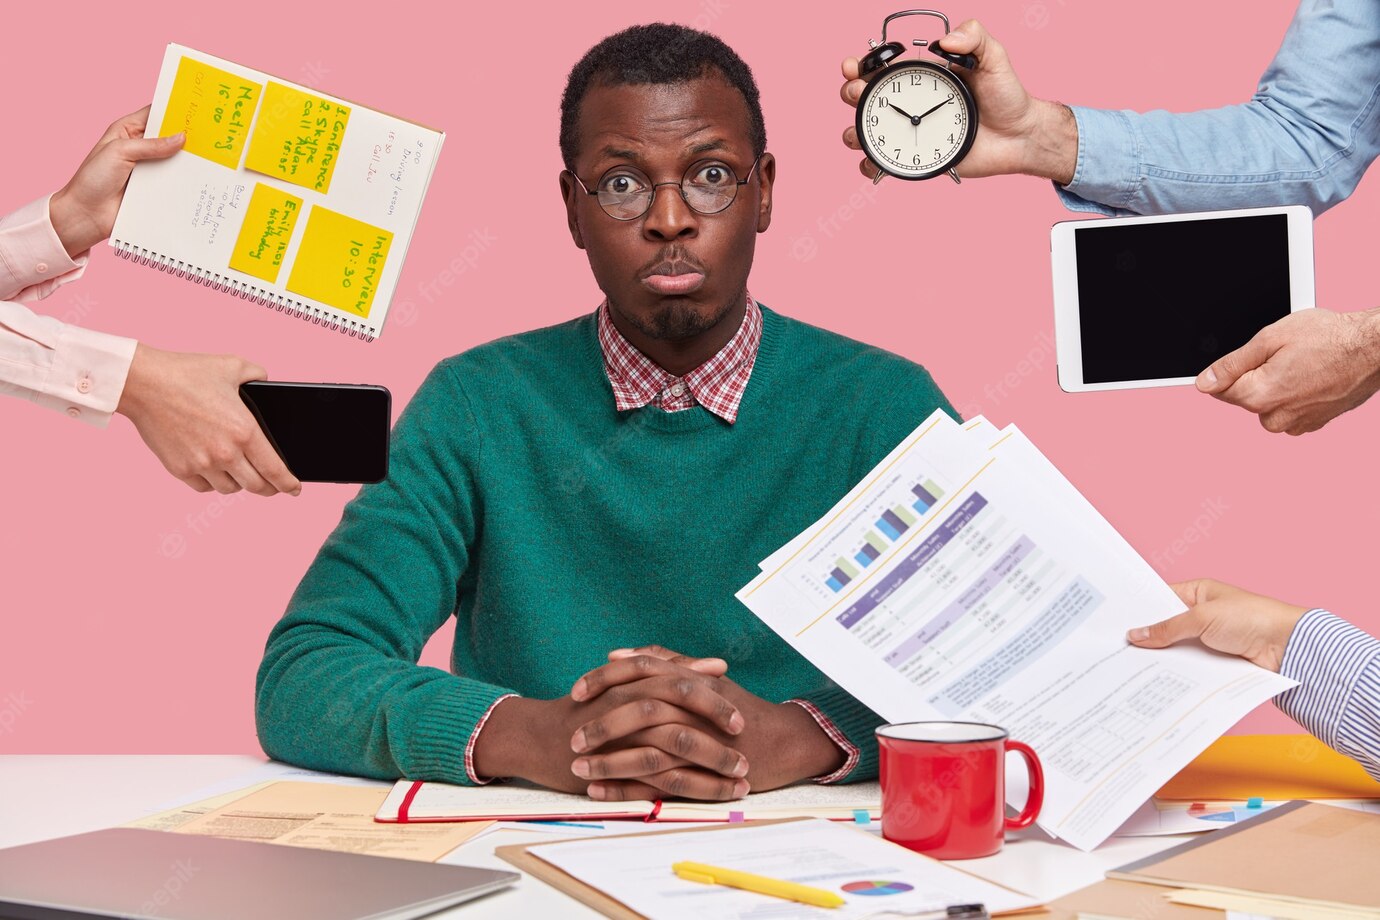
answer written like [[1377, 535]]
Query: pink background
[[135, 610]]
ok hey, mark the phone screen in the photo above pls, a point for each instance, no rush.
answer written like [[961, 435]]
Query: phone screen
[[325, 432], [1165, 300]]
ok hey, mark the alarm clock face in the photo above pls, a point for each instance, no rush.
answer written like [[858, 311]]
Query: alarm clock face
[[916, 120]]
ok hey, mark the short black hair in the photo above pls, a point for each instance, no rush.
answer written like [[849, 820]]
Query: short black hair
[[657, 53]]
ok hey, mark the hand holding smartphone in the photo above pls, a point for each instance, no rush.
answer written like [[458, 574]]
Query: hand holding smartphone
[[325, 432]]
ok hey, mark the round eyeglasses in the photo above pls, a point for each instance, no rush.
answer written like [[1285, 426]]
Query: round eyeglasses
[[708, 187]]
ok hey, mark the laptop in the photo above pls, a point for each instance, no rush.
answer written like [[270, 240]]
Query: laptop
[[134, 873]]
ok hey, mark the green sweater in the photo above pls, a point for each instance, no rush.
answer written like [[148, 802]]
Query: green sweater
[[555, 528]]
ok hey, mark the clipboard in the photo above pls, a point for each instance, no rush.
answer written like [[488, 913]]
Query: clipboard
[[520, 856]]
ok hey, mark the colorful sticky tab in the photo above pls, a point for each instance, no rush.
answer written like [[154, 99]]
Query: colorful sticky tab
[[264, 235], [735, 817], [860, 816], [214, 107], [340, 261], [298, 137], [1255, 801]]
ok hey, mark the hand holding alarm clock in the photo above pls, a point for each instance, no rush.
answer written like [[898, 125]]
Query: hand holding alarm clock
[[1018, 133], [915, 118]]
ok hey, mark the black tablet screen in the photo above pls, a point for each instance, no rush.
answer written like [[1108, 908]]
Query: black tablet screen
[[1162, 300]]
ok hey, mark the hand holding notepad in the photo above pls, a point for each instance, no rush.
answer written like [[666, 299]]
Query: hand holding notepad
[[283, 195]]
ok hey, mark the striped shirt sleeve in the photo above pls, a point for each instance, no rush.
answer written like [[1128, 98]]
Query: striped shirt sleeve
[[1337, 666]]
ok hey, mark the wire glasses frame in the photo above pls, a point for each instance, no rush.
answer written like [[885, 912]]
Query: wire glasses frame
[[703, 194]]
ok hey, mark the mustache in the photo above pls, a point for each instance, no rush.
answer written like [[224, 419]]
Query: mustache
[[672, 260]]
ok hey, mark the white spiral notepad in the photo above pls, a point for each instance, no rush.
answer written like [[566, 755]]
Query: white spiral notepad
[[283, 195]]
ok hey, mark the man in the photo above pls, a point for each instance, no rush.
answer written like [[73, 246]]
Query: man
[[577, 494], [1307, 136], [186, 407]]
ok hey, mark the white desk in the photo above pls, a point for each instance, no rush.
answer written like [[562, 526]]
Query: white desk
[[53, 795]]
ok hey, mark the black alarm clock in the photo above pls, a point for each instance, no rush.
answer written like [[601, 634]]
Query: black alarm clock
[[916, 119]]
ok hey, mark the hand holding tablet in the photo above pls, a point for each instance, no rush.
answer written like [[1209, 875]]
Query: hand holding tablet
[[1153, 301], [1303, 371]]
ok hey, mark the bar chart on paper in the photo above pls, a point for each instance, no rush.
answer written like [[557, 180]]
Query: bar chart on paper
[[883, 523]]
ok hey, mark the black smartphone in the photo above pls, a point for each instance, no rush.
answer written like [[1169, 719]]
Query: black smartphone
[[325, 432]]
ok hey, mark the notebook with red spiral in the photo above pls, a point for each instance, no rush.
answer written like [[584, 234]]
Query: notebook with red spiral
[[283, 195]]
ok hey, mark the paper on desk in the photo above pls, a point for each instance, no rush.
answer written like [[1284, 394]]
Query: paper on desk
[[1158, 818], [968, 580], [328, 817], [637, 872], [257, 777], [445, 802], [1266, 907]]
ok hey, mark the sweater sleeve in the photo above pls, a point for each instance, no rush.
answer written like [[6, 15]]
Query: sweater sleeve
[[339, 688]]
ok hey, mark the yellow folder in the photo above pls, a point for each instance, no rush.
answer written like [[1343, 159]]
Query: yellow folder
[[1271, 767]]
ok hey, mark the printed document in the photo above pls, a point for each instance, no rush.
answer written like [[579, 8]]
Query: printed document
[[871, 875], [966, 579]]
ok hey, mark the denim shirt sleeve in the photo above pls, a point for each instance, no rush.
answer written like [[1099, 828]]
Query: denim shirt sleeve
[[1306, 137]]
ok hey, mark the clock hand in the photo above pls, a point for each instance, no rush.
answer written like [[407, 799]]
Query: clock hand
[[903, 111], [936, 108]]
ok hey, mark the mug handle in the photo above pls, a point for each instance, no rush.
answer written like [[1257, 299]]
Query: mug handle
[[1036, 796]]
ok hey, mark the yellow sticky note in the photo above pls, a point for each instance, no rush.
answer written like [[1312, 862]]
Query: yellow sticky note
[[265, 232], [340, 261], [297, 138], [214, 107]]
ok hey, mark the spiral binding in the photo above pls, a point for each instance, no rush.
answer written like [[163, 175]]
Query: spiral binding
[[261, 296]]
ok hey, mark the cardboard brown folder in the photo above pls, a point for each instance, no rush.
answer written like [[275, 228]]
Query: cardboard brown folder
[[1300, 852], [1115, 898]]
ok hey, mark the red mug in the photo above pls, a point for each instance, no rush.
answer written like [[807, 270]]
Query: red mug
[[944, 787]]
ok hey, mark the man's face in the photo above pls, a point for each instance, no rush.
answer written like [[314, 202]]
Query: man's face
[[672, 273]]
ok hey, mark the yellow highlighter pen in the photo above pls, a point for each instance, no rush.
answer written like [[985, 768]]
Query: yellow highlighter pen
[[714, 875]]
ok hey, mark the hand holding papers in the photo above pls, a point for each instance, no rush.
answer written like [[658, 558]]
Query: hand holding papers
[[965, 579]]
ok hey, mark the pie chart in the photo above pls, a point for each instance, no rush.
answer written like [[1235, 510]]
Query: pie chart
[[876, 889]]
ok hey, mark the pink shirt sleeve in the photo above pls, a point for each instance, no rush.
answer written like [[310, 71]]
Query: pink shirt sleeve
[[42, 359]]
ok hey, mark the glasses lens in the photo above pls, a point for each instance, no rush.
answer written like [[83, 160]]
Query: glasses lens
[[709, 187], [624, 193]]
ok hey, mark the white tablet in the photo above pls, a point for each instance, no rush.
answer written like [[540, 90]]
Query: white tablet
[[1151, 301]]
